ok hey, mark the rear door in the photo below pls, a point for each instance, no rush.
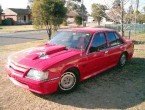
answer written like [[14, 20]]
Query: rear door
[[115, 48]]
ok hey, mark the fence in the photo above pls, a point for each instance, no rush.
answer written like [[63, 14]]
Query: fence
[[128, 28]]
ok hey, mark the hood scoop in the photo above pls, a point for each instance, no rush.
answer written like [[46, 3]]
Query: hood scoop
[[53, 49], [46, 52]]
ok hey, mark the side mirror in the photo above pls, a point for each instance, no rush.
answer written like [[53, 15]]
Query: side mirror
[[92, 49]]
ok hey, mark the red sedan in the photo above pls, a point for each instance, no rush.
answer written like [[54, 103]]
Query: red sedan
[[72, 55]]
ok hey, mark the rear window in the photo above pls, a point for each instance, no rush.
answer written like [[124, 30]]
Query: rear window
[[113, 39]]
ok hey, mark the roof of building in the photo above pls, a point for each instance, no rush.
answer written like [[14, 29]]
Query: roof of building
[[72, 14], [20, 11]]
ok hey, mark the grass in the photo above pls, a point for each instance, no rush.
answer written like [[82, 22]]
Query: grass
[[16, 28], [117, 88], [9, 49]]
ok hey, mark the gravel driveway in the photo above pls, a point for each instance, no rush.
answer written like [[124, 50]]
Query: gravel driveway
[[21, 37]]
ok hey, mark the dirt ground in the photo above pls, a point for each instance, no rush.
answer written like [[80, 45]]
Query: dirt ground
[[118, 88]]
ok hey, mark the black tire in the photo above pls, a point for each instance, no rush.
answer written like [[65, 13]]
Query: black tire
[[69, 81], [122, 60]]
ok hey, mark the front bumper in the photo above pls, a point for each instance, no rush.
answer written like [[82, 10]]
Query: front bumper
[[40, 87]]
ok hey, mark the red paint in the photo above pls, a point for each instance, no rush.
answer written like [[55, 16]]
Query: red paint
[[61, 59]]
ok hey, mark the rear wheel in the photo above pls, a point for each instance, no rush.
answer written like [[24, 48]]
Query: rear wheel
[[68, 81], [123, 60]]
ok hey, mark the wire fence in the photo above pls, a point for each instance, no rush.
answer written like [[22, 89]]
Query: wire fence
[[129, 29]]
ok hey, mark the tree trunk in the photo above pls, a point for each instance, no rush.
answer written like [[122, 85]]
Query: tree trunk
[[122, 18], [49, 33], [99, 23]]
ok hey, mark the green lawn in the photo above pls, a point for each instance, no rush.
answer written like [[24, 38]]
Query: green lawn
[[16, 28]]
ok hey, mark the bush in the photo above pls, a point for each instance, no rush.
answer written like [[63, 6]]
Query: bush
[[7, 21], [65, 23], [78, 20]]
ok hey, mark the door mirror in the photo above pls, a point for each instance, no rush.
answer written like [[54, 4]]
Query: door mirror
[[93, 49]]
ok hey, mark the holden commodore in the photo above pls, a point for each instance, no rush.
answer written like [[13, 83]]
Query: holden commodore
[[70, 57]]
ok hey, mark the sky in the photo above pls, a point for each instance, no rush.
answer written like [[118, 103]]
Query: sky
[[23, 3]]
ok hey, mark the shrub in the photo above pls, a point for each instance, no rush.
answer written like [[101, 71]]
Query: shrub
[[78, 20]]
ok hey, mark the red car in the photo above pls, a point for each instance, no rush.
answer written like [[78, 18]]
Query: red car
[[72, 55]]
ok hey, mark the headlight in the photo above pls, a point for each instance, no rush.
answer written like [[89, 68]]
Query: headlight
[[37, 75]]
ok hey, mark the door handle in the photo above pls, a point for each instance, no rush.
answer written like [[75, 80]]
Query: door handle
[[106, 52]]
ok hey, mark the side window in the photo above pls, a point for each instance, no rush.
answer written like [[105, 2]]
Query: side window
[[113, 39], [98, 43], [118, 39]]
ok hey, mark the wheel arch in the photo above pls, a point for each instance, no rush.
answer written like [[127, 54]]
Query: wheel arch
[[72, 69], [126, 53]]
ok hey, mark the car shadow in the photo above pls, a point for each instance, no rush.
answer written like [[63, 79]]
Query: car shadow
[[117, 88], [138, 42]]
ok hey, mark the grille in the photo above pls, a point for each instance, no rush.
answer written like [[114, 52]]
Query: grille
[[17, 68]]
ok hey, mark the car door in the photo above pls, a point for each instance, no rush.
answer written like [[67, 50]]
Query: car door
[[115, 48], [96, 58]]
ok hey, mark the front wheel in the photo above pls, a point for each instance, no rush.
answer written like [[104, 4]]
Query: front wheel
[[68, 82], [122, 60]]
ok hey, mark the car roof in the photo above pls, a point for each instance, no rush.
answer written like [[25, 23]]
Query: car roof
[[89, 30]]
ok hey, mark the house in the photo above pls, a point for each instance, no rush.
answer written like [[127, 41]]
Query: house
[[90, 19], [71, 16], [17, 16]]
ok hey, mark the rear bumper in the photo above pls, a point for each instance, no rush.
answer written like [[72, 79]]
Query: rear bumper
[[40, 87]]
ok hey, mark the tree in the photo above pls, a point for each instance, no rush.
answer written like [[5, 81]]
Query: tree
[[1, 9], [117, 12], [28, 7], [73, 6], [116, 4], [98, 12], [135, 17], [48, 13], [30, 2], [144, 8], [142, 18], [130, 10], [82, 11], [77, 0], [78, 20], [129, 18]]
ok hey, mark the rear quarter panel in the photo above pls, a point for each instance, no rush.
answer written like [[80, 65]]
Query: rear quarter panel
[[129, 48]]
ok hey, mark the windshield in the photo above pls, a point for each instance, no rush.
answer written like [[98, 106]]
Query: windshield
[[71, 39]]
